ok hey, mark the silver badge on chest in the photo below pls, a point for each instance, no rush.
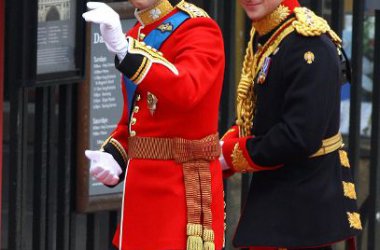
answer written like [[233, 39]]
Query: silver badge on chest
[[152, 103]]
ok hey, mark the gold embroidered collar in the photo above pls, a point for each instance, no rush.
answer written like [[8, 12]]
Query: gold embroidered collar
[[271, 21], [154, 13]]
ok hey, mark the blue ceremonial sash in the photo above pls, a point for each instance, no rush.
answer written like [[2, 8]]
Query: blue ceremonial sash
[[155, 39]]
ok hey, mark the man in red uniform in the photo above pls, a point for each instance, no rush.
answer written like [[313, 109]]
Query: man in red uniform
[[302, 194], [165, 146]]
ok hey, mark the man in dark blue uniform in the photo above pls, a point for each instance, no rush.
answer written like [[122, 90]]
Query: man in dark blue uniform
[[302, 194]]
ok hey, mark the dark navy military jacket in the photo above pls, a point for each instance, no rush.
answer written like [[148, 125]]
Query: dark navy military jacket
[[305, 202]]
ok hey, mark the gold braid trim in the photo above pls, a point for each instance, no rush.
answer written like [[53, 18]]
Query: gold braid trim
[[140, 71], [154, 13], [239, 162], [354, 220], [208, 239], [105, 143], [349, 190], [309, 24], [152, 56], [118, 146], [271, 21], [253, 62], [194, 237], [192, 10], [244, 104], [344, 159], [231, 130]]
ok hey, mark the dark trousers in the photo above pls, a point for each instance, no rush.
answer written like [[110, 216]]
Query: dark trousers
[[319, 248]]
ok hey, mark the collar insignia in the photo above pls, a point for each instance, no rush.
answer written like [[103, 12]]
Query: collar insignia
[[154, 13], [271, 21]]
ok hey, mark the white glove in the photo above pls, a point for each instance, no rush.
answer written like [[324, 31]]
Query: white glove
[[222, 161], [104, 167], [110, 27]]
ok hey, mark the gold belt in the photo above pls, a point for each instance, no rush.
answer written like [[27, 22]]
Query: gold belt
[[178, 149], [195, 157], [329, 145]]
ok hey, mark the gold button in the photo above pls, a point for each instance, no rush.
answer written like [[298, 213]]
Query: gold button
[[138, 97], [133, 133], [134, 120], [136, 109]]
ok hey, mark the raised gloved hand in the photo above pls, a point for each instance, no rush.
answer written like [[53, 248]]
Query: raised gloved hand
[[104, 167], [110, 27]]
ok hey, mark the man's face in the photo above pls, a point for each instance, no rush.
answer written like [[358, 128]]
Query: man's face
[[257, 9], [142, 4]]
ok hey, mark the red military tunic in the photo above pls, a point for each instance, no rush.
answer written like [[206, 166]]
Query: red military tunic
[[186, 82]]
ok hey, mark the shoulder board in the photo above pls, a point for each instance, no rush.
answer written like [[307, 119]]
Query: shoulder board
[[309, 24], [192, 10]]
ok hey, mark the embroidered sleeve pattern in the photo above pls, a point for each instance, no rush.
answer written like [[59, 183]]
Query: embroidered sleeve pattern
[[140, 59], [192, 10], [237, 157]]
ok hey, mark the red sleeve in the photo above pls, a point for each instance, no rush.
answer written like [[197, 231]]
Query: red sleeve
[[198, 51], [121, 132], [237, 157]]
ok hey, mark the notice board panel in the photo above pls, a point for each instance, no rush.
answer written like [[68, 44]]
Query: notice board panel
[[55, 36], [60, 39], [100, 108]]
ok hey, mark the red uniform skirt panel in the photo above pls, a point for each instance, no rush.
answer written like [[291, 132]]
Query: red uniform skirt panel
[[154, 207]]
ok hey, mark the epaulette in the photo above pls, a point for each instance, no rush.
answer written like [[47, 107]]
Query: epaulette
[[149, 56], [192, 10], [309, 24]]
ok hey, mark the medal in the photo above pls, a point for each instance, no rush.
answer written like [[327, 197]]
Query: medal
[[264, 71], [152, 103]]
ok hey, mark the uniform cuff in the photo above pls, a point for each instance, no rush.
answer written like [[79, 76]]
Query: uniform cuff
[[237, 157], [133, 66], [139, 60], [233, 132], [114, 148]]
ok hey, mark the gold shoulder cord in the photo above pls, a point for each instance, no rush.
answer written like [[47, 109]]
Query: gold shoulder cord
[[309, 24], [306, 23], [244, 95], [191, 9], [253, 62]]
